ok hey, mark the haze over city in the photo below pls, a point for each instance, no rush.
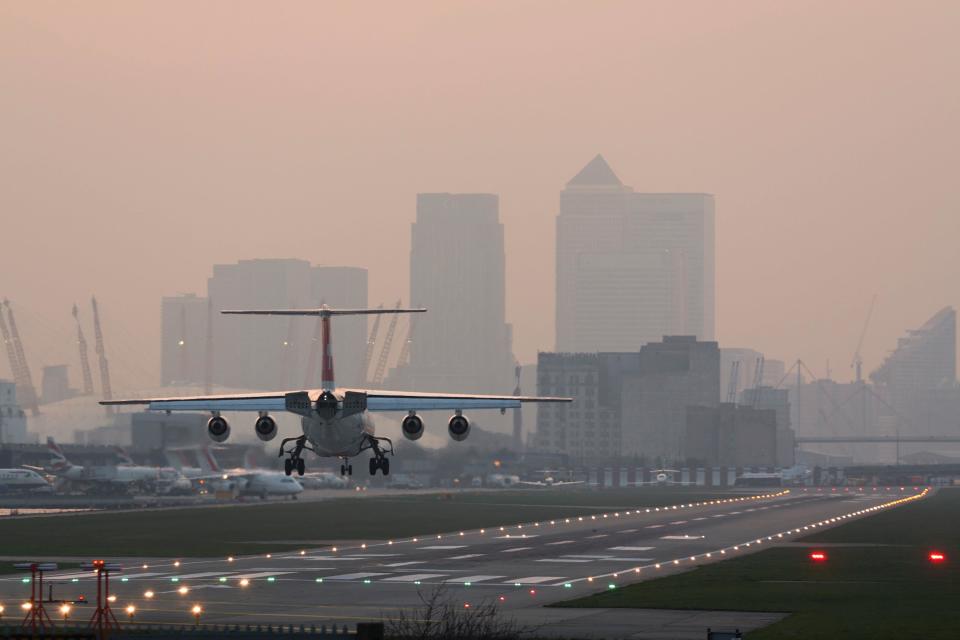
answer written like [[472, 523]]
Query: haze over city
[[143, 144]]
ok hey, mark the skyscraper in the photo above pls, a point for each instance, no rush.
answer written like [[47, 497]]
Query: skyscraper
[[264, 353], [631, 267], [457, 264]]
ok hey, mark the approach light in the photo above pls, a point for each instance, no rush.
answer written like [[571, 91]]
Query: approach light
[[130, 611], [818, 556], [26, 606], [65, 610], [148, 594], [937, 557], [183, 590], [111, 598], [244, 582]]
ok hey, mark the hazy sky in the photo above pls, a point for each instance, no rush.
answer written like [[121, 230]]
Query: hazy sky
[[142, 142]]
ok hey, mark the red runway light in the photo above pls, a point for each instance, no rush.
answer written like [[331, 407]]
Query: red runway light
[[937, 557], [818, 556]]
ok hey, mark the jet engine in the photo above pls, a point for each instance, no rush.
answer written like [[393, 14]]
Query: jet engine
[[412, 427], [266, 428], [218, 429], [458, 427]]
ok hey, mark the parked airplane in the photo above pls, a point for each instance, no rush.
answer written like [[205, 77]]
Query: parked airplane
[[247, 480], [169, 479], [123, 477], [335, 422], [23, 481]]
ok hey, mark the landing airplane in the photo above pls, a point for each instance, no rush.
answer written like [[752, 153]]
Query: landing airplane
[[663, 477], [549, 480], [336, 422]]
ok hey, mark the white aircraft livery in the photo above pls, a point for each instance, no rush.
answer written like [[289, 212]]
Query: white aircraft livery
[[336, 422]]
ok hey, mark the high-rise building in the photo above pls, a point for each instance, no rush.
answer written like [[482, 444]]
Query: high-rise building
[[625, 404], [457, 266], [13, 421], [263, 352], [631, 267]]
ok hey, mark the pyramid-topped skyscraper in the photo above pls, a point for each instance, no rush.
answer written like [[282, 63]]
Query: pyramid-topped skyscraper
[[631, 267]]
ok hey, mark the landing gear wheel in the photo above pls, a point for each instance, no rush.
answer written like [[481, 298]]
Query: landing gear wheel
[[301, 466], [374, 465], [288, 466], [349, 469], [343, 469], [385, 466]]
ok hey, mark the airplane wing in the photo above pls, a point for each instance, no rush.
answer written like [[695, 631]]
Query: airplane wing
[[414, 401], [298, 401]]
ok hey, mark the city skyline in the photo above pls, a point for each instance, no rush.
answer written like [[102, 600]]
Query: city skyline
[[168, 161]]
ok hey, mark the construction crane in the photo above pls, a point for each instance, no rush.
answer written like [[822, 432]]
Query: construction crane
[[371, 343], [385, 352], [208, 356], [734, 382], [26, 391], [11, 352], [758, 373], [84, 358], [106, 391], [857, 362], [405, 351]]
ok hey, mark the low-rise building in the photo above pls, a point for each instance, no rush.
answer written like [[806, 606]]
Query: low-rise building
[[732, 436]]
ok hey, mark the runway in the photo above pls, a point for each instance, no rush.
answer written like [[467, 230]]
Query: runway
[[522, 566]]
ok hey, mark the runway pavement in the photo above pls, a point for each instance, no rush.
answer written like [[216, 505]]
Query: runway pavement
[[522, 567]]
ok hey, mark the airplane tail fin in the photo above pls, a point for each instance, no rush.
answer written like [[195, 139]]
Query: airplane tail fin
[[60, 461], [122, 455], [207, 461], [325, 313]]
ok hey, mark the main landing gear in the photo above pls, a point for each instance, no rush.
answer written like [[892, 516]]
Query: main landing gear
[[379, 459], [295, 461]]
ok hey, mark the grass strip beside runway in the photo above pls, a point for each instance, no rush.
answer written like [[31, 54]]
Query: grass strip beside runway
[[244, 529], [873, 592]]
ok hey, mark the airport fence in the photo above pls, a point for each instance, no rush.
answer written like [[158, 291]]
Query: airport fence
[[364, 631]]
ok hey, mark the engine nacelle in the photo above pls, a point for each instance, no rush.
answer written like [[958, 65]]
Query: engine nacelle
[[458, 427], [266, 428], [218, 429], [412, 427]]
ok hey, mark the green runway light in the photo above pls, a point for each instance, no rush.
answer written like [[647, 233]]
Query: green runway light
[[567, 585], [319, 579], [223, 579], [366, 581], [516, 584], [271, 579], [174, 579], [124, 579], [416, 582], [74, 579], [25, 580], [611, 586], [467, 584]]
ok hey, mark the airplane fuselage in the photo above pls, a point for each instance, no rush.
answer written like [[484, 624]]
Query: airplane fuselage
[[339, 436]]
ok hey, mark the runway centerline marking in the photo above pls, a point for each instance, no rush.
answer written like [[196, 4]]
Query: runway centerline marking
[[414, 577], [534, 579], [683, 537], [561, 542], [404, 564], [442, 547], [515, 549], [630, 548], [567, 560], [471, 579], [465, 556], [599, 535], [653, 526]]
